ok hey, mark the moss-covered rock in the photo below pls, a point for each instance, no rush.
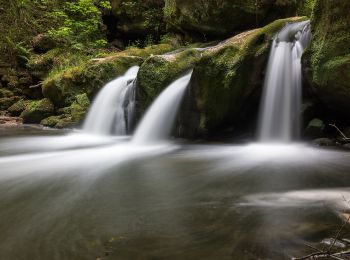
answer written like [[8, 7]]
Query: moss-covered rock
[[6, 102], [17, 108], [212, 18], [86, 78], [37, 110], [5, 93], [71, 116], [327, 61], [63, 84], [159, 71], [226, 82], [314, 129], [61, 121], [138, 18]]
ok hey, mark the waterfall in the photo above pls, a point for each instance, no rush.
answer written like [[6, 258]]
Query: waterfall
[[112, 112], [281, 102], [158, 121]]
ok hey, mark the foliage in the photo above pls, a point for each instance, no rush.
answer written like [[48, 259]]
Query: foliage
[[20, 21], [81, 23]]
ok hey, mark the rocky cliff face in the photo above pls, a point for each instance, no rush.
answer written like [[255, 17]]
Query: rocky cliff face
[[327, 61]]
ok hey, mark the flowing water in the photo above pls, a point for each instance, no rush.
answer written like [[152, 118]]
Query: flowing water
[[281, 104], [158, 121], [170, 201], [113, 110]]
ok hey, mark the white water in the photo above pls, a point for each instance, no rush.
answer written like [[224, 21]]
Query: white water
[[281, 103], [158, 121], [113, 110]]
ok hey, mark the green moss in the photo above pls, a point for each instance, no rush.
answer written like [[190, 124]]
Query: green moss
[[61, 121], [227, 76], [159, 71], [149, 50], [17, 108], [72, 115], [5, 93], [327, 60], [88, 78], [37, 110]]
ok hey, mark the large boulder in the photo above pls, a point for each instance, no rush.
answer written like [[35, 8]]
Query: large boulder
[[327, 61], [226, 84], [213, 18]]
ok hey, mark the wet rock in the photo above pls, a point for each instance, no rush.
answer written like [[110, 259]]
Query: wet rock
[[314, 129], [61, 121], [37, 110], [324, 142], [332, 241]]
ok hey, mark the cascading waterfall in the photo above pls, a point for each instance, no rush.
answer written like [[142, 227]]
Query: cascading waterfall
[[281, 103], [113, 110], [158, 121]]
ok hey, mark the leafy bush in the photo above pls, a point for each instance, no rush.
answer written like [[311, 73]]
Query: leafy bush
[[82, 23]]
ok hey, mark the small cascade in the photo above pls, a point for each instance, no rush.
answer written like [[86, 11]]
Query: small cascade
[[281, 102], [158, 121], [112, 112]]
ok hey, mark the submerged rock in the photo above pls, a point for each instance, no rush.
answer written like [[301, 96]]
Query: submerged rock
[[324, 142]]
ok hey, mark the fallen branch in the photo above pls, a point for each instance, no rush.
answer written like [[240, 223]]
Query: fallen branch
[[344, 136]]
